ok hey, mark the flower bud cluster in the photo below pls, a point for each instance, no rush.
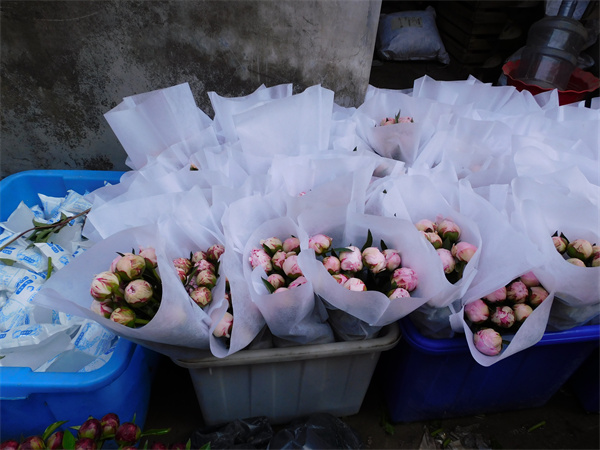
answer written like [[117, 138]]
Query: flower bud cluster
[[199, 273], [503, 311], [579, 252], [370, 269], [91, 434], [129, 292], [279, 260], [395, 119], [445, 236]]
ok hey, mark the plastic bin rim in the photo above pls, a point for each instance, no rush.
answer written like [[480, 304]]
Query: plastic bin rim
[[389, 338], [19, 382]]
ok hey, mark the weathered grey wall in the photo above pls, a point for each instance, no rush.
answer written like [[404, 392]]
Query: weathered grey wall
[[66, 63]]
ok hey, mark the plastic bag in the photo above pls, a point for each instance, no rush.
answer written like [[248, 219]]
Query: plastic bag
[[410, 36], [255, 432], [318, 431]]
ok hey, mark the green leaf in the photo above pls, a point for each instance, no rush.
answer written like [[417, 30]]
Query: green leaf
[[188, 445], [52, 428], [7, 262], [385, 191], [68, 441], [49, 272], [340, 250], [268, 285], [204, 447], [355, 148], [383, 245], [155, 432], [369, 241]]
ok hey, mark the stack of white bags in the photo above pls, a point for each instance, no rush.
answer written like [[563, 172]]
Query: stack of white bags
[[511, 169]]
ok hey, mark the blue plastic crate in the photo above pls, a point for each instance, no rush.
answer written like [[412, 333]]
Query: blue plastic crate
[[425, 379], [30, 401]]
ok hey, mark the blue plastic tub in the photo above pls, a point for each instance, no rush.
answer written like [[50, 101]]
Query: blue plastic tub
[[30, 401], [426, 378]]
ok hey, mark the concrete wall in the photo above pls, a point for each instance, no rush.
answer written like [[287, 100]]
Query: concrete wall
[[66, 63]]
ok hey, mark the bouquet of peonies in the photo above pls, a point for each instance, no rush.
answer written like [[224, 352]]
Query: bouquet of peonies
[[454, 237], [503, 311], [407, 267], [282, 293]]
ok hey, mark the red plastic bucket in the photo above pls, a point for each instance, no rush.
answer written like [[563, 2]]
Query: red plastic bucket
[[581, 84]]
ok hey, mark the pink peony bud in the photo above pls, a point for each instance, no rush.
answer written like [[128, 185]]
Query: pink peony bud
[[32, 443], [576, 262], [522, 311], [488, 341], [503, 317], [138, 292], [580, 248], [223, 328], [278, 259], [183, 264], [355, 284], [113, 264], [405, 120], [387, 121], [85, 444], [448, 261], [158, 446], [291, 244], [434, 239], [595, 260], [130, 267], [206, 278], [332, 264], [398, 293], [529, 279], [280, 289], [298, 282], [258, 257], [351, 259], [91, 429], [149, 254], [537, 296], [110, 423], [276, 280], [392, 259], [181, 274], [201, 296], [204, 264], [463, 251], [499, 295], [477, 311], [517, 292], [103, 309], [124, 316], [54, 441], [198, 256], [406, 278], [128, 433], [340, 278], [560, 244], [104, 285], [374, 259], [214, 252], [426, 225], [10, 444], [291, 267], [447, 229], [320, 243], [272, 245]]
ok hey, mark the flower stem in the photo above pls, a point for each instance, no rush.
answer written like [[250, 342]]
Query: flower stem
[[57, 225]]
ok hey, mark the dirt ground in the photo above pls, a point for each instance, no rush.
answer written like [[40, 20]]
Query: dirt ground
[[560, 424]]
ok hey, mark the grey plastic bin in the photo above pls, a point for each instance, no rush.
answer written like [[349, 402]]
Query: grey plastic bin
[[287, 383]]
